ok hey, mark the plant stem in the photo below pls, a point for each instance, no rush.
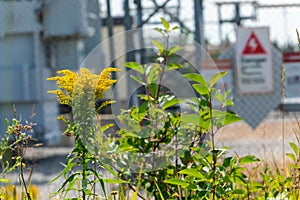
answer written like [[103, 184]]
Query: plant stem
[[19, 153], [23, 181], [84, 167], [282, 102], [163, 69], [95, 178], [213, 146]]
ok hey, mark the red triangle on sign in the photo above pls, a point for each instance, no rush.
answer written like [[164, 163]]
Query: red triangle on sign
[[253, 46]]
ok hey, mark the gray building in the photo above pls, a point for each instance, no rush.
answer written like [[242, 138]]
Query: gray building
[[37, 38]]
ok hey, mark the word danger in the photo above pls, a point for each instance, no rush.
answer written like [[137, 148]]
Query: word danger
[[252, 70]]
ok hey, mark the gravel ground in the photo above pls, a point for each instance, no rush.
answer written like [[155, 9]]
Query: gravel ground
[[269, 141]]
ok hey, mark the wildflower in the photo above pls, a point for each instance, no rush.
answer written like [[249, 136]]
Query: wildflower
[[69, 133], [114, 192], [175, 195], [27, 127], [34, 191], [82, 83], [17, 129], [21, 163]]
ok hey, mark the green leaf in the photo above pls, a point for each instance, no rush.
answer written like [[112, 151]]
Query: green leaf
[[192, 187], [165, 23], [170, 103], [66, 169], [68, 181], [105, 127], [138, 79], [4, 180], [155, 111], [109, 169], [159, 191], [192, 172], [256, 186], [178, 182], [175, 28], [135, 66], [227, 161], [204, 123], [197, 78], [143, 107], [294, 166], [190, 119], [173, 66], [216, 77], [174, 49], [158, 45], [130, 134], [229, 119], [135, 114], [203, 90], [154, 89], [161, 31], [295, 148], [152, 72], [248, 159], [100, 180], [291, 156], [238, 191], [113, 181]]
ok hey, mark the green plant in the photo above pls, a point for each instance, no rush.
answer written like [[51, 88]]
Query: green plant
[[159, 153], [151, 128], [293, 178], [15, 143], [80, 92]]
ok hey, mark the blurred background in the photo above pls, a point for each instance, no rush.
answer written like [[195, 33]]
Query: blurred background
[[39, 37]]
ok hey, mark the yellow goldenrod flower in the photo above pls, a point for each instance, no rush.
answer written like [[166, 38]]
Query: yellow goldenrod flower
[[34, 191], [175, 195], [82, 83]]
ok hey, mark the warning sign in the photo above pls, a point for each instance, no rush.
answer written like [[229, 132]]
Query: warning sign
[[292, 74], [253, 46], [254, 61]]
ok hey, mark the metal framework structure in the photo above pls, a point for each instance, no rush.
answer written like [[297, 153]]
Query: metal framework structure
[[239, 18], [172, 11], [144, 16]]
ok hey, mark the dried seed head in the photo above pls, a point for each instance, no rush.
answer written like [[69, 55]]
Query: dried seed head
[[69, 134], [16, 131], [27, 127], [19, 127], [113, 193]]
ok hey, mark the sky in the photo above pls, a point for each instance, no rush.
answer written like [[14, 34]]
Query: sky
[[282, 22]]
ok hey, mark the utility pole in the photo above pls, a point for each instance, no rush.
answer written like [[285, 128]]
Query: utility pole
[[129, 36], [199, 26], [110, 26], [140, 38], [199, 31]]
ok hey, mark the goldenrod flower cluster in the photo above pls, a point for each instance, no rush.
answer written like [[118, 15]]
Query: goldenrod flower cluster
[[11, 192], [84, 81]]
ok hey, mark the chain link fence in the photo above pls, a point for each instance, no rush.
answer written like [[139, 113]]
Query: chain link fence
[[280, 16], [269, 141], [23, 38]]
